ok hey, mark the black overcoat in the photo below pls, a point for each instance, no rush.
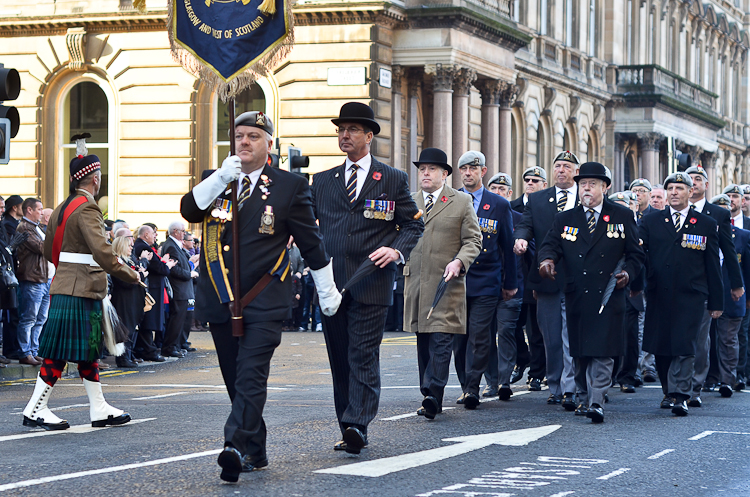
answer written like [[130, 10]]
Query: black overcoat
[[678, 281], [157, 272], [589, 262]]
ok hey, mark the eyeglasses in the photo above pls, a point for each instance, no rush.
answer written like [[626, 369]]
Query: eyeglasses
[[639, 190], [532, 180], [353, 130]]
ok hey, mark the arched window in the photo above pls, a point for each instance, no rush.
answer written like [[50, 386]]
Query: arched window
[[85, 110], [251, 99], [630, 172], [593, 153]]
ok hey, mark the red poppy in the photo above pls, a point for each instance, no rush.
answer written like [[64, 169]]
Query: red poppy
[[486, 207], [376, 176], [693, 220], [606, 219], [444, 199]]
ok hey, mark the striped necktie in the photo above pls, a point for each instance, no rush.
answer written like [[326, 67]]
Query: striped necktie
[[351, 185], [591, 219], [429, 204], [562, 201], [244, 191], [677, 223]]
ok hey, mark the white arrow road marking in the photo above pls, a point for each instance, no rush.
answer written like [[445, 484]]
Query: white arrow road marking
[[707, 433], [614, 473], [662, 453], [48, 479], [87, 428], [380, 467], [563, 494]]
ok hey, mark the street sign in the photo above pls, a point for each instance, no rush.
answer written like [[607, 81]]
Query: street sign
[[346, 76]]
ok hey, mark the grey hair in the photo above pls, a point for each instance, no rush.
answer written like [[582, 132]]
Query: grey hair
[[175, 225], [121, 232], [143, 230]]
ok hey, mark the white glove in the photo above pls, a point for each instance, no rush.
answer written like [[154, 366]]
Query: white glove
[[207, 190], [328, 295]]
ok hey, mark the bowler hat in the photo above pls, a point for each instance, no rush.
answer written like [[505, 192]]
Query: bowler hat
[[593, 170], [434, 156], [359, 113]]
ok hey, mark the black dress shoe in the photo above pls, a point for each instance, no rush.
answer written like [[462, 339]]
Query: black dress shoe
[[248, 465], [354, 440], [725, 391], [649, 378], [461, 399], [517, 374], [504, 393], [581, 410], [680, 408], [420, 411], [638, 382], [4, 360], [695, 401], [568, 402], [709, 387], [627, 388], [430, 406], [535, 384], [740, 385], [174, 353], [471, 401], [156, 358], [193, 349], [341, 445], [125, 363], [230, 461], [595, 413], [667, 402], [554, 399]]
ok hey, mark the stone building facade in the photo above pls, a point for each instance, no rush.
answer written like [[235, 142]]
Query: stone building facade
[[630, 83]]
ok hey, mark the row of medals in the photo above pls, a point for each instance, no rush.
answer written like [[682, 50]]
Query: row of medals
[[221, 214], [699, 246], [373, 214]]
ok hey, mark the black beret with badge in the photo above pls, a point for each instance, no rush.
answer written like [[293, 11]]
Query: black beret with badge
[[567, 156], [255, 119]]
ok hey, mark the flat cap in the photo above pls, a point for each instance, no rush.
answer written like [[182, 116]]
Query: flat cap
[[679, 177], [255, 119], [721, 199], [535, 171], [641, 182], [472, 158], [501, 179], [696, 170]]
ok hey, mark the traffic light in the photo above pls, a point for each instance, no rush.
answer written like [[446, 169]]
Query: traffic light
[[10, 88], [297, 161]]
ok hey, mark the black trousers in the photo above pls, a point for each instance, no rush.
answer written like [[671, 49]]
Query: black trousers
[[144, 344], [175, 324], [245, 363], [538, 362], [627, 365], [187, 325], [471, 352], [10, 337], [353, 337], [434, 360], [523, 355]]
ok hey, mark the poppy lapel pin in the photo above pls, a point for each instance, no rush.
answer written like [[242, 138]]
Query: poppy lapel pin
[[486, 207], [693, 220], [376, 176], [606, 219], [444, 199]]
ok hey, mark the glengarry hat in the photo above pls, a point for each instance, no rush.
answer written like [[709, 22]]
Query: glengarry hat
[[501, 179], [721, 199], [641, 182], [82, 164], [679, 177], [535, 171], [434, 156], [593, 170], [356, 112], [733, 188], [255, 119], [696, 170], [472, 158], [567, 156]]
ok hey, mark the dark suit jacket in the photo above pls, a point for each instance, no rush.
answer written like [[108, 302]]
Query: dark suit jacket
[[647, 211], [518, 205], [179, 275], [350, 237], [741, 238], [289, 197], [679, 280], [535, 223], [495, 267], [589, 263], [724, 219], [157, 270]]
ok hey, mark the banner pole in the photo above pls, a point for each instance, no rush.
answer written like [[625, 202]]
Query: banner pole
[[235, 306]]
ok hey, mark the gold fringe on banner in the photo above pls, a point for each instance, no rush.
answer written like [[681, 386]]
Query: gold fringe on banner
[[268, 7], [140, 6], [260, 67]]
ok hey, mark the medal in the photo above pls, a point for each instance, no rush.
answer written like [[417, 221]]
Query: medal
[[223, 215], [367, 214], [215, 212], [267, 221], [573, 238]]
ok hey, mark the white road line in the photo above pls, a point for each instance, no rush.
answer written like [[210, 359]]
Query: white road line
[[409, 415], [562, 494], [87, 428], [168, 385], [62, 408], [614, 473], [662, 453], [113, 469], [707, 433], [415, 387], [159, 396]]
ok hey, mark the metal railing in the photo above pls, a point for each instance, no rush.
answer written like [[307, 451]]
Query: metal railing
[[652, 79]]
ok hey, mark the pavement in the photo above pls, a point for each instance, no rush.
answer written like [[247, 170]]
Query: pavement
[[522, 447]]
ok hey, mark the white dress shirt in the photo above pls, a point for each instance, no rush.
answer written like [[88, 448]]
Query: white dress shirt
[[572, 194], [699, 205], [362, 171], [683, 215], [254, 177], [435, 196]]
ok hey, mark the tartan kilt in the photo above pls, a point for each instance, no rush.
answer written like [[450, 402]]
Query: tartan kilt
[[73, 331]]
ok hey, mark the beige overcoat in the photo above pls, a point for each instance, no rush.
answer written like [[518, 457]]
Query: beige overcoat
[[451, 231]]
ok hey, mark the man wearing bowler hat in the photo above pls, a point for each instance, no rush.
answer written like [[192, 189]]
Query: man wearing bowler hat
[[591, 240], [452, 240], [359, 205]]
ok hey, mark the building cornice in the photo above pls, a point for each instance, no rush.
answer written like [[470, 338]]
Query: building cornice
[[99, 23]]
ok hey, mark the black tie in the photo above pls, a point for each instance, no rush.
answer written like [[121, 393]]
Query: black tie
[[591, 220], [562, 201], [428, 205], [677, 223], [351, 185], [244, 191]]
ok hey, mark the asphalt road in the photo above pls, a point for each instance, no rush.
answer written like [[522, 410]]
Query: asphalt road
[[179, 409]]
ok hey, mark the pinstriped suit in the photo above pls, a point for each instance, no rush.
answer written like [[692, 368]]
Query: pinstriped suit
[[354, 333]]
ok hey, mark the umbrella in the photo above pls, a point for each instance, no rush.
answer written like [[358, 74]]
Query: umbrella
[[368, 267], [611, 283], [438, 295]]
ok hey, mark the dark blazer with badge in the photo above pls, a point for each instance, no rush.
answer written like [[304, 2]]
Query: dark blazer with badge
[[679, 280], [589, 262], [495, 267], [351, 237], [179, 275], [291, 203], [723, 219], [741, 239], [518, 205], [535, 224]]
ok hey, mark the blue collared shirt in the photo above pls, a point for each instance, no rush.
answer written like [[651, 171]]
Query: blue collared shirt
[[476, 197]]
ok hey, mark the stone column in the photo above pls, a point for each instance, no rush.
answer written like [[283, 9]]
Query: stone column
[[709, 159], [461, 87], [619, 162], [442, 108], [648, 148], [490, 90], [415, 83], [507, 97], [397, 104]]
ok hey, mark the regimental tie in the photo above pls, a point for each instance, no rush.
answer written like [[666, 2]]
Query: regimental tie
[[562, 201], [591, 219], [677, 223], [429, 204], [351, 185], [244, 191]]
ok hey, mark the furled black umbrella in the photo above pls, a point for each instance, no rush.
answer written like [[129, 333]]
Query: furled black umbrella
[[438, 295], [611, 283], [368, 267]]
